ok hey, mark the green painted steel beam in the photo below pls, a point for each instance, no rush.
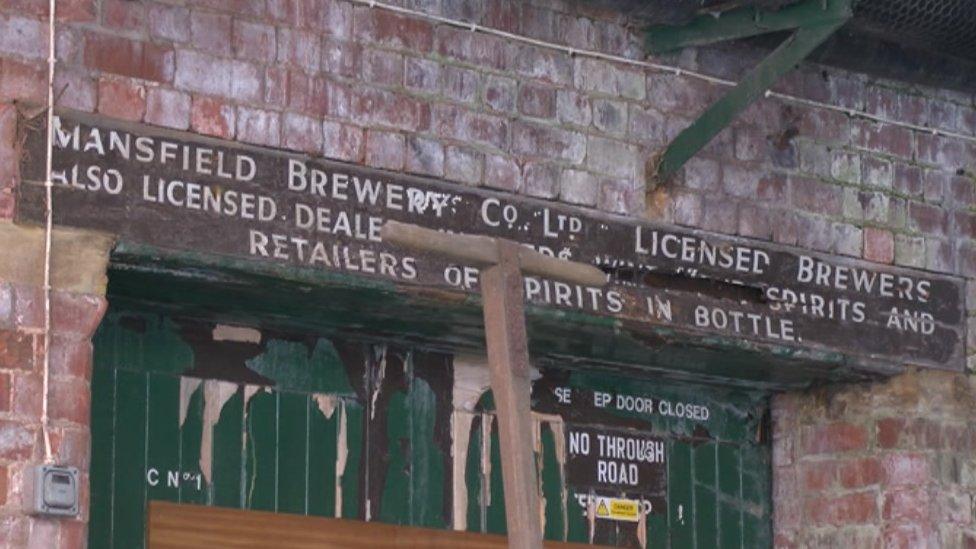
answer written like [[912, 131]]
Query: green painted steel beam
[[745, 22], [720, 114]]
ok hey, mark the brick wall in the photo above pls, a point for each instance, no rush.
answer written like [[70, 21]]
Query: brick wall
[[365, 85], [891, 464]]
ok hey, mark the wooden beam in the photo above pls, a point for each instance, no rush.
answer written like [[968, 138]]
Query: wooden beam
[[181, 526], [508, 361], [743, 23], [482, 251], [721, 113], [503, 264]]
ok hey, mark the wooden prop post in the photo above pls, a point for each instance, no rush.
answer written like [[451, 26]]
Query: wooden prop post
[[503, 263]]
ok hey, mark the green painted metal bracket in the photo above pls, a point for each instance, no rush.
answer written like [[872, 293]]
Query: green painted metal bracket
[[745, 22], [813, 20]]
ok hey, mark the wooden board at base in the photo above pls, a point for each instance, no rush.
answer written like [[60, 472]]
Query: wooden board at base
[[176, 526]]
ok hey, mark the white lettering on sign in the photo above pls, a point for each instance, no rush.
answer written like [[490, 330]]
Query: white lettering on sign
[[189, 157], [615, 459], [864, 281], [174, 479], [693, 250], [744, 323], [637, 404]]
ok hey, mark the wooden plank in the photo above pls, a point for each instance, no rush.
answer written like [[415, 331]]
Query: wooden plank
[[261, 458], [508, 362], [786, 299], [129, 467], [292, 452], [174, 526], [102, 441]]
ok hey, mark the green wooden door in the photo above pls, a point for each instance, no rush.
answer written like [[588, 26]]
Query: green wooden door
[[193, 411]]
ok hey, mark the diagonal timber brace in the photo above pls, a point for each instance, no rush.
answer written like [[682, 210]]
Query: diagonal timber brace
[[813, 21]]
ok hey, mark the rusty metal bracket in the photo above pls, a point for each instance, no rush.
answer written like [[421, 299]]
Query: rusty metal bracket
[[812, 22]]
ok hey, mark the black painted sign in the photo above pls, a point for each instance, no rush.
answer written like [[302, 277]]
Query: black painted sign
[[629, 461], [183, 192]]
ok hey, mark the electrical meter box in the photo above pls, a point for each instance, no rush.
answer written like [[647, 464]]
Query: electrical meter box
[[54, 491]]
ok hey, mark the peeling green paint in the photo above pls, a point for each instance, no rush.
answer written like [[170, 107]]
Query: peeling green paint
[[346, 426]]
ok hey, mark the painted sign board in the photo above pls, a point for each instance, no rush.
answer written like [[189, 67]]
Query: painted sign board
[[180, 191]]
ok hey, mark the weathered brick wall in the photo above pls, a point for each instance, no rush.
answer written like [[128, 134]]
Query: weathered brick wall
[[364, 85], [891, 464]]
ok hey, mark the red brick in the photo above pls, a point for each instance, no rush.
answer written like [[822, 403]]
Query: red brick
[[23, 36], [904, 469], [884, 138], [16, 440], [384, 150], [210, 32], [302, 133], [382, 67], [342, 58], [169, 22], [77, 89], [126, 57], [257, 126], [855, 508], [393, 30], [502, 172], [9, 161], [835, 438], [859, 473], [26, 389], [879, 245], [476, 48], [818, 475], [911, 505], [460, 84], [6, 393], [425, 156], [889, 431], [548, 142], [342, 141], [254, 41], [168, 108], [76, 314], [43, 532], [212, 117], [123, 15], [204, 73], [22, 81], [71, 357], [298, 48], [927, 218], [904, 536], [537, 101], [541, 179], [814, 196], [29, 307], [16, 350], [4, 484], [70, 400], [74, 534], [391, 109], [13, 531], [302, 94], [482, 129], [246, 82], [71, 446], [276, 86]]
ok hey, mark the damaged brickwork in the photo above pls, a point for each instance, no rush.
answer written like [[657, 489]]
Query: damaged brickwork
[[883, 464]]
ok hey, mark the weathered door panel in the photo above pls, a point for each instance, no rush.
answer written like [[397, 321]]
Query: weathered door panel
[[190, 411]]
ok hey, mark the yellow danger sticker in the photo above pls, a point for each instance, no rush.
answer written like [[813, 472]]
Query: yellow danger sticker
[[626, 510]]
